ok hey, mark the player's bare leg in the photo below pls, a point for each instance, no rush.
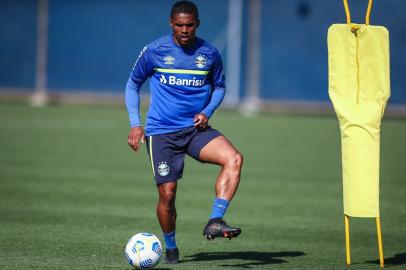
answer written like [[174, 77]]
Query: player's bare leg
[[221, 152], [166, 212], [165, 208]]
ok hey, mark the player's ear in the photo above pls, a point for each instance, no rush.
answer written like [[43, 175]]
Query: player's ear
[[197, 23]]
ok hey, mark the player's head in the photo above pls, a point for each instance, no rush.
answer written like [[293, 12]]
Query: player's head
[[184, 21]]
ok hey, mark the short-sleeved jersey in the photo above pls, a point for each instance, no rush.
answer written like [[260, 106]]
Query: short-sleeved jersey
[[181, 82]]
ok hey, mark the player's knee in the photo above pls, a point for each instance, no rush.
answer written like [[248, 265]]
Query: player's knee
[[239, 159], [235, 161], [167, 197]]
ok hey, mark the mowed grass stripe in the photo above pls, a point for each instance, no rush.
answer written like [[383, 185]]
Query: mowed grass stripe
[[72, 193]]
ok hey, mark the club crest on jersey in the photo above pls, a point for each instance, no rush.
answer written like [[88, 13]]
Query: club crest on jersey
[[169, 60], [200, 61], [163, 169]]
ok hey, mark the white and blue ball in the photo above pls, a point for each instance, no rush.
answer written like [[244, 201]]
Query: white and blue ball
[[143, 251]]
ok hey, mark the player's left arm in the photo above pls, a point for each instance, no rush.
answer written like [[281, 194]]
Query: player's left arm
[[219, 89]]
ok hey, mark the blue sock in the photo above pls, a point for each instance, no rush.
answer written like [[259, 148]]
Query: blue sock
[[170, 241], [219, 208]]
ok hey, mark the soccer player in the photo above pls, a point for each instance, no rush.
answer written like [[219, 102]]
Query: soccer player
[[187, 86]]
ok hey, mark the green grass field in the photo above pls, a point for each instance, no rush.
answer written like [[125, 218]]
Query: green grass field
[[72, 193]]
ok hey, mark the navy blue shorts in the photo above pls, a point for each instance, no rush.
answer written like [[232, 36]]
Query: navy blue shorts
[[167, 151]]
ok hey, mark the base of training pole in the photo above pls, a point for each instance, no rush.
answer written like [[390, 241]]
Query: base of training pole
[[347, 240], [380, 246]]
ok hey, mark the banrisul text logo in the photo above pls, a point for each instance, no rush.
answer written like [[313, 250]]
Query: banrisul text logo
[[163, 79], [173, 80]]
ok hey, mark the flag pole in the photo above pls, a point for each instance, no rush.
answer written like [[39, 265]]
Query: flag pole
[[380, 246], [347, 239]]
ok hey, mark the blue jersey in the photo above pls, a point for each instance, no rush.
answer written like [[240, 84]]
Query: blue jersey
[[183, 82]]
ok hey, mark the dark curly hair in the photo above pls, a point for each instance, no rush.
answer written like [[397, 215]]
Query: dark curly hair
[[184, 7]]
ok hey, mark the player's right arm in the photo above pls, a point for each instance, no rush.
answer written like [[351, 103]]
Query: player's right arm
[[132, 100], [141, 71]]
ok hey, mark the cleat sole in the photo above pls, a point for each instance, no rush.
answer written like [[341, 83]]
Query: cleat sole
[[225, 235]]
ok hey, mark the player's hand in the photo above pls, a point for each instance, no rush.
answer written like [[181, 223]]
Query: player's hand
[[201, 121], [136, 134]]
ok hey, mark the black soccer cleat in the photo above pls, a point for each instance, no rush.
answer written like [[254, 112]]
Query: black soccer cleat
[[171, 256], [219, 228]]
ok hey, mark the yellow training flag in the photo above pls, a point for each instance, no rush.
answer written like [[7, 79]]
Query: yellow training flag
[[359, 88]]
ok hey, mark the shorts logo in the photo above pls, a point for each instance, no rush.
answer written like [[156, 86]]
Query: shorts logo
[[200, 61], [163, 169], [169, 60]]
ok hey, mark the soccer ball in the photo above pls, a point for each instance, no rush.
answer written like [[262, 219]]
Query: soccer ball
[[143, 250]]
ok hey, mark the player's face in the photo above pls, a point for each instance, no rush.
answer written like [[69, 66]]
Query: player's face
[[184, 26]]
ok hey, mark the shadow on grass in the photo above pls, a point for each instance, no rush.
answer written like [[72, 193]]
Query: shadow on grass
[[253, 258], [398, 259]]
